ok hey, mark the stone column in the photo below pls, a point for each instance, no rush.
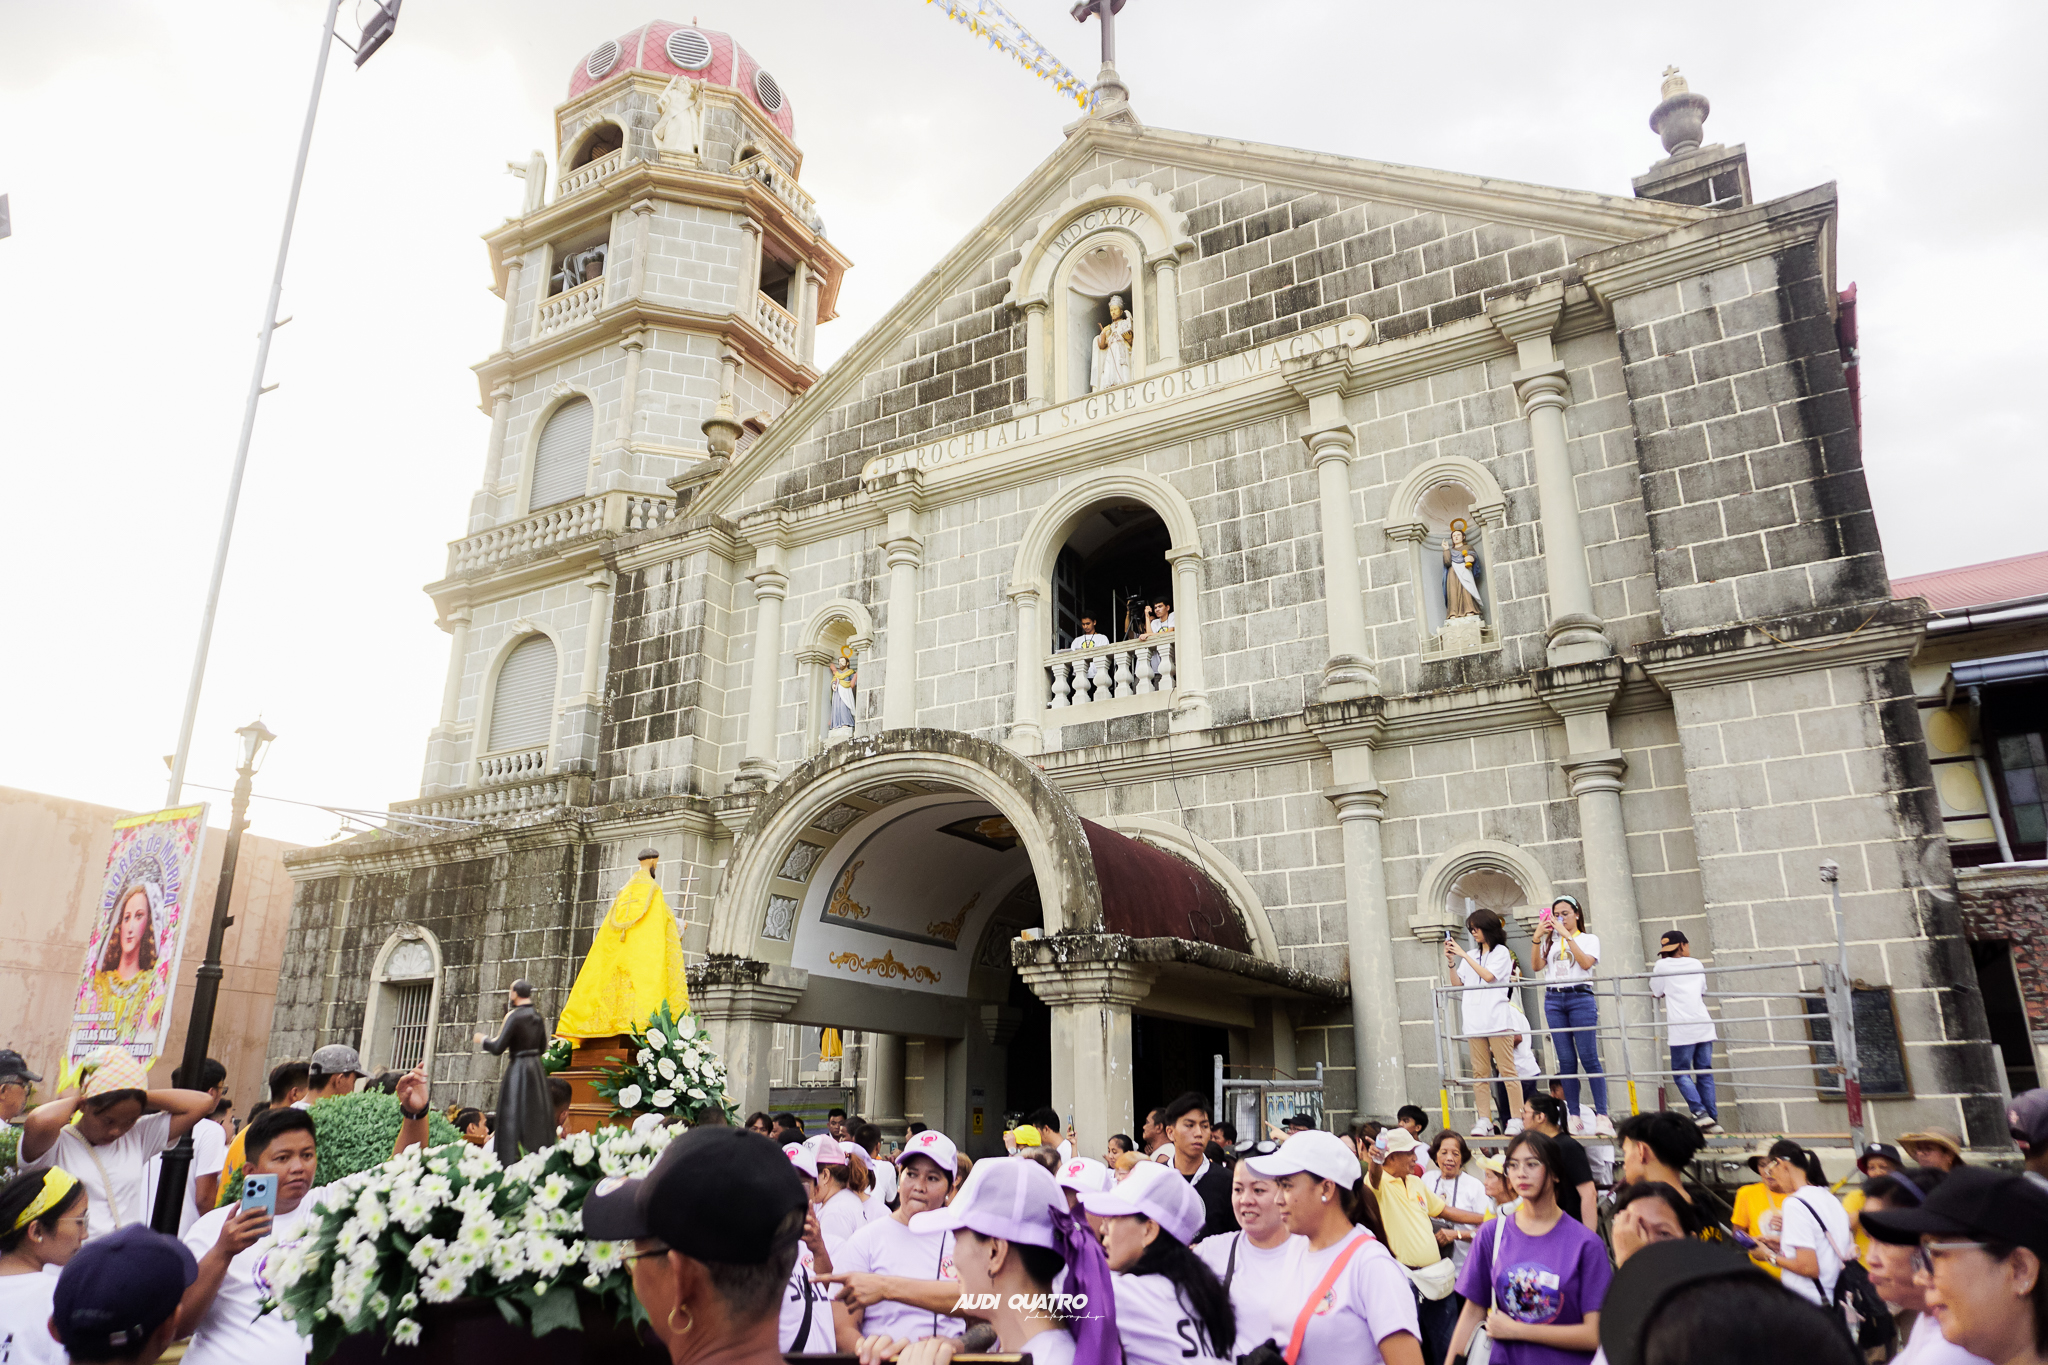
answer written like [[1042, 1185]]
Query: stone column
[[458, 655], [1091, 1027], [1191, 709], [899, 688], [1375, 1006], [494, 458], [771, 585], [643, 210], [600, 585], [1025, 735], [1595, 780], [629, 401], [513, 270], [1349, 674], [1575, 633], [740, 1002], [750, 269], [1272, 1039], [1036, 358], [1166, 282], [885, 1101], [803, 298]]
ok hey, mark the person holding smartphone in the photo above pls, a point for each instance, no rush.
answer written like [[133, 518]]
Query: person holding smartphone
[[1489, 1033], [1566, 954]]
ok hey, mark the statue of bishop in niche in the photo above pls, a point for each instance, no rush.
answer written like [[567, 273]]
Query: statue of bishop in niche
[[1111, 363]]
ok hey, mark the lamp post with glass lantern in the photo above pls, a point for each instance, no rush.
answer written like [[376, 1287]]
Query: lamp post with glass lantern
[[177, 1162]]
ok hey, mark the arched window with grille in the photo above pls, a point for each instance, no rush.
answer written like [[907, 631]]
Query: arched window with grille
[[522, 713], [404, 994], [561, 458]]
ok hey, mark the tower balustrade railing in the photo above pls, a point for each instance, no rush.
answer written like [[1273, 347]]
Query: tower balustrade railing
[[589, 173], [614, 513]]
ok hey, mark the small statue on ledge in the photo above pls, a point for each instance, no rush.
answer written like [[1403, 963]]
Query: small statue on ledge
[[1461, 575], [526, 1115]]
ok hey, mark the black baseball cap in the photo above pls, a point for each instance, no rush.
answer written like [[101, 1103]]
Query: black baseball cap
[[1650, 1277], [14, 1066], [715, 1194], [1973, 1202], [118, 1290], [1672, 938], [1878, 1151]]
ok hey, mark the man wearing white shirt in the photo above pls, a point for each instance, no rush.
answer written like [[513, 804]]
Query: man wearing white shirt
[[1682, 981], [1089, 638]]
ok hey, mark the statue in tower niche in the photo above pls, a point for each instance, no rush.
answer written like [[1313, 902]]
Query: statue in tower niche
[[1111, 363], [845, 678], [534, 171], [526, 1117], [1461, 575], [634, 964], [679, 122]]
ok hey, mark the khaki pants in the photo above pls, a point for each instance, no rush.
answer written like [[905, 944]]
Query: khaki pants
[[1494, 1056]]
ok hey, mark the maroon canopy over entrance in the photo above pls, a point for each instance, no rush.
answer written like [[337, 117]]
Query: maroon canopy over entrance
[[1148, 893]]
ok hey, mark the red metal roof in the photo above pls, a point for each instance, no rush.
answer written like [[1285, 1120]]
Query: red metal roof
[[1977, 585], [1150, 894], [645, 49]]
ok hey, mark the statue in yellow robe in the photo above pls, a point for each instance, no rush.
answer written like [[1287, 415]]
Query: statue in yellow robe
[[634, 965]]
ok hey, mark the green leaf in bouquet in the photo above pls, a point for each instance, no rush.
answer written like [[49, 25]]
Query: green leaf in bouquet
[[556, 1310]]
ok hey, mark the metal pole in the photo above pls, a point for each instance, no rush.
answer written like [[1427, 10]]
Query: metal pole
[[177, 1160], [1106, 10], [256, 391], [1843, 998]]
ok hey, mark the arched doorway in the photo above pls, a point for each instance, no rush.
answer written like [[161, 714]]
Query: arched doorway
[[906, 884]]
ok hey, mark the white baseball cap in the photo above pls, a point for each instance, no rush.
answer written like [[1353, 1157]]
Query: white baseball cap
[[1155, 1192], [1086, 1174], [801, 1158], [933, 1144], [1322, 1155], [1394, 1140], [1008, 1197], [826, 1151]]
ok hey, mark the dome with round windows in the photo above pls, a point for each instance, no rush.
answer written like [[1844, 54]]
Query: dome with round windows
[[665, 50]]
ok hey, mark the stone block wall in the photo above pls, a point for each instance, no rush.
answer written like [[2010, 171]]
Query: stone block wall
[[1752, 466], [695, 257], [673, 722]]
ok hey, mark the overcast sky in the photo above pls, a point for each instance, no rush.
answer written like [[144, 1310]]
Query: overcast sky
[[147, 149]]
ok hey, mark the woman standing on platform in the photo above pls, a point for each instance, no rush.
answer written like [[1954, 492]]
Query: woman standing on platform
[[1489, 1036], [1566, 955]]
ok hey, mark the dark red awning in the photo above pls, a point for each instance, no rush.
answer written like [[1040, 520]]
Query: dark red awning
[[1147, 893]]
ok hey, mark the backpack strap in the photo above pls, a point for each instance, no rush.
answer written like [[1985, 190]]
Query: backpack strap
[[1308, 1310], [803, 1332], [1230, 1266]]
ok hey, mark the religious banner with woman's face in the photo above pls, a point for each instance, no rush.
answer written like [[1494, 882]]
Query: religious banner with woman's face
[[131, 960]]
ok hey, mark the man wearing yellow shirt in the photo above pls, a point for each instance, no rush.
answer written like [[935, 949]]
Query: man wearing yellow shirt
[[1406, 1206]]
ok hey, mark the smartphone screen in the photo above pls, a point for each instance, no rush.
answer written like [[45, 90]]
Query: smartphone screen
[[260, 1192]]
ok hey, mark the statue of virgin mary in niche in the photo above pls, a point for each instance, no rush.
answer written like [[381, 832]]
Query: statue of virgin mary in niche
[[1461, 575]]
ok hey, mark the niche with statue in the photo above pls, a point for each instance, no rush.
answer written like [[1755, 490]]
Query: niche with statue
[[1445, 516]]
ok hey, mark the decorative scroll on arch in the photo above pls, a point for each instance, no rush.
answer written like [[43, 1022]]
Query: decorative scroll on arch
[[1143, 225]]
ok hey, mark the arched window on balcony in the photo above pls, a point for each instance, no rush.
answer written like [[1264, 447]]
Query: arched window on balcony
[[561, 458], [522, 716]]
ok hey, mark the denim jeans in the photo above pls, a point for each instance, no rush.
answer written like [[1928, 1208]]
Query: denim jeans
[[1693, 1065], [1572, 1015]]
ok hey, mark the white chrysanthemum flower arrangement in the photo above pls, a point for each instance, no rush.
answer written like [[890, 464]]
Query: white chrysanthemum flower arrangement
[[673, 1072], [436, 1226]]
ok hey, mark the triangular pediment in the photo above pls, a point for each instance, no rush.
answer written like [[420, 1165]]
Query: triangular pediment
[[1269, 241]]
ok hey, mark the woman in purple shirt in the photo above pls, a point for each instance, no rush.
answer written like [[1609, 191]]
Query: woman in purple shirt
[[1543, 1273]]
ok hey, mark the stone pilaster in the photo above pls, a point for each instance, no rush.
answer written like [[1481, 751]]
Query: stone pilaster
[[771, 586], [1349, 672], [1037, 360], [1166, 289], [1191, 703], [514, 267], [903, 498], [739, 1002], [1025, 735]]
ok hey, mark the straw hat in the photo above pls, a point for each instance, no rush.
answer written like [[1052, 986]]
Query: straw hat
[[1933, 1137]]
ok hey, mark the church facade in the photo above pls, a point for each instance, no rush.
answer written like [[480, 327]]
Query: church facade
[[1228, 568]]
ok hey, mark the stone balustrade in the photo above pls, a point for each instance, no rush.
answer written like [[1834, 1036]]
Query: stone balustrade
[[570, 307], [516, 765], [1078, 677], [480, 803], [777, 322], [614, 513], [770, 173], [589, 173]]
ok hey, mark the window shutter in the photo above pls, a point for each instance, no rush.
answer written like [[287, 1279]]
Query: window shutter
[[561, 461], [523, 706]]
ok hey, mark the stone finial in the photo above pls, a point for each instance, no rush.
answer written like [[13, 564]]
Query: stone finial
[[1681, 116]]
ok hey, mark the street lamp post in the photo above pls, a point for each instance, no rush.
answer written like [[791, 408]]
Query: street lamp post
[[177, 1162]]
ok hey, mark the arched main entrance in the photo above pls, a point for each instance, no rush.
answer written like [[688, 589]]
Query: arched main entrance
[[906, 883]]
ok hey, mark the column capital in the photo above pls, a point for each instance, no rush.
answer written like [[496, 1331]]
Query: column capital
[[1357, 801], [453, 618], [634, 341], [815, 654], [1116, 984], [1189, 556], [1037, 303], [1021, 593], [904, 551], [1600, 771], [749, 225], [600, 580], [501, 392], [643, 207], [733, 988], [1544, 386], [1331, 444], [769, 582]]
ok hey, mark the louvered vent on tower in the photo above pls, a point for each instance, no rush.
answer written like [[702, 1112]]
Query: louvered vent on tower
[[769, 92], [689, 49], [603, 59], [561, 459], [523, 704]]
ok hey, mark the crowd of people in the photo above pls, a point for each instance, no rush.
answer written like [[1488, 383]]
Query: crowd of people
[[1380, 1243]]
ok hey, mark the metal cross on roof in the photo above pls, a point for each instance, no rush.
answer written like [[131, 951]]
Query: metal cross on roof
[[1106, 11]]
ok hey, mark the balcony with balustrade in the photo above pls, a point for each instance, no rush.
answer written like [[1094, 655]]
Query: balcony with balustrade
[[570, 308], [589, 173], [1100, 682], [782, 184], [563, 527], [499, 800], [779, 324]]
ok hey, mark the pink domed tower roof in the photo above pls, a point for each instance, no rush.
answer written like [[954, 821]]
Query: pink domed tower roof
[[664, 49]]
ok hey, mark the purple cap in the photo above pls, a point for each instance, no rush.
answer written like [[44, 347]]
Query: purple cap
[[119, 1289], [1156, 1192], [2028, 1116]]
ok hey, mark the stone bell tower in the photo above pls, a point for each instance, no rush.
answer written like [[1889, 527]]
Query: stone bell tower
[[662, 288]]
